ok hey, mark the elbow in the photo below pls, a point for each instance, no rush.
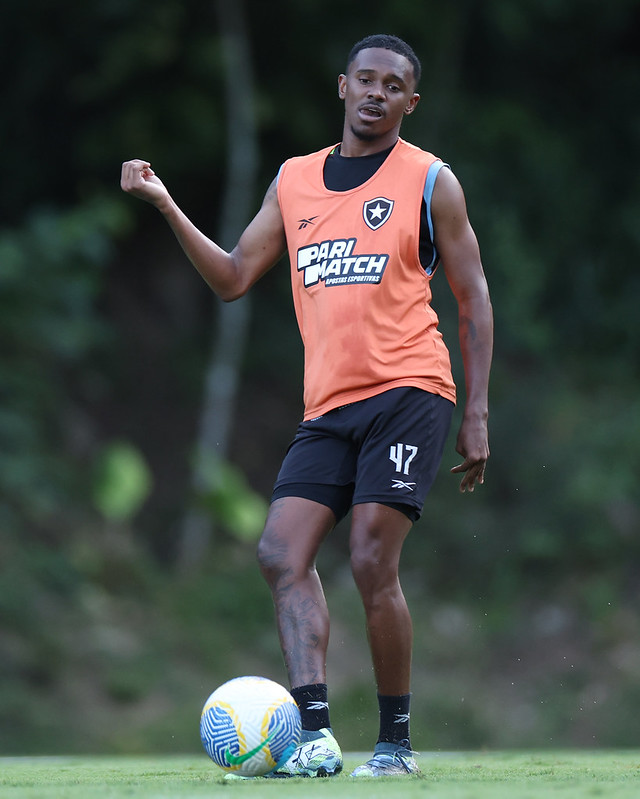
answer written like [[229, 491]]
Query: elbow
[[481, 299], [230, 291], [233, 285], [230, 296]]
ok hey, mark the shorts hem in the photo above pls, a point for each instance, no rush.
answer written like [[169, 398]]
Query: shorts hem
[[327, 495], [412, 512]]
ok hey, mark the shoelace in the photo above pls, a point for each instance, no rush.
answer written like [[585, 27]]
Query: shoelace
[[384, 757], [402, 759]]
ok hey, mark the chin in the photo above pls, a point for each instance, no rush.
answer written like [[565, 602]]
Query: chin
[[364, 135]]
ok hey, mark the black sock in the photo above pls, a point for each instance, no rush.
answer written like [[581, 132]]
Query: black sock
[[394, 719], [313, 704]]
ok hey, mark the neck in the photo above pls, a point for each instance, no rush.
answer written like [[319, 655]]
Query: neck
[[355, 146]]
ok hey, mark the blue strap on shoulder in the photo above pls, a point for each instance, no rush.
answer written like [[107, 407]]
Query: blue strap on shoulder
[[429, 185]]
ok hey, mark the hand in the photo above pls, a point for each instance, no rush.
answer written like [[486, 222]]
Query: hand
[[473, 445], [139, 179]]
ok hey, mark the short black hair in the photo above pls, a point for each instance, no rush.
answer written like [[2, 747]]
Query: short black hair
[[388, 42]]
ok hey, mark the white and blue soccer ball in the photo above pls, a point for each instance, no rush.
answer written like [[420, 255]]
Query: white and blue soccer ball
[[250, 725]]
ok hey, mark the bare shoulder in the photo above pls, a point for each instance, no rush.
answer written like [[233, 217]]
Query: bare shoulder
[[454, 237], [448, 195], [269, 213], [268, 216], [263, 242], [271, 194]]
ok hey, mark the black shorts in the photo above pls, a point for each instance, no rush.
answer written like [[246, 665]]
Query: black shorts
[[384, 449]]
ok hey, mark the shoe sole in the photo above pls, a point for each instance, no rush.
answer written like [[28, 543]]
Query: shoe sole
[[321, 772]]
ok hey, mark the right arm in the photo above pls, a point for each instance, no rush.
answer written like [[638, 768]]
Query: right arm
[[458, 248], [229, 274]]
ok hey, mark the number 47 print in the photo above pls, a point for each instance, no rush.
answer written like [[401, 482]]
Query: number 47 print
[[402, 455]]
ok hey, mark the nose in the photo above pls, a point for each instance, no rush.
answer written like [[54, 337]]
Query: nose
[[376, 92]]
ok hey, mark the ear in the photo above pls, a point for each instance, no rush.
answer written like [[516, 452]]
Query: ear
[[342, 86], [411, 105]]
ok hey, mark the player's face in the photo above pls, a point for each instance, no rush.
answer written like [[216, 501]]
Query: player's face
[[378, 91]]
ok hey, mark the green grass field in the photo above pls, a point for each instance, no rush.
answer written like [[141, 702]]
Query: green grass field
[[517, 775]]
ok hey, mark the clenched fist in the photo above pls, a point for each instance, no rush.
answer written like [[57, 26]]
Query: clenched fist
[[139, 179]]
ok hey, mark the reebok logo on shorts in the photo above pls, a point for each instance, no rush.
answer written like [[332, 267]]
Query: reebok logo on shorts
[[402, 484]]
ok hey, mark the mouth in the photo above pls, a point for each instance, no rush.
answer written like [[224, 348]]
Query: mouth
[[371, 112]]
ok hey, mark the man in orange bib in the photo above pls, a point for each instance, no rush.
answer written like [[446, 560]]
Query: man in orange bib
[[366, 222]]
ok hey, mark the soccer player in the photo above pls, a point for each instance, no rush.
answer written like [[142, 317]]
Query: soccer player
[[366, 223]]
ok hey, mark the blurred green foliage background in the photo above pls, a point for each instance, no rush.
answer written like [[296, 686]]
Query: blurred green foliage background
[[115, 623]]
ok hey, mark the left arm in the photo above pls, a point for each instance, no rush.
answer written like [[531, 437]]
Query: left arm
[[460, 255]]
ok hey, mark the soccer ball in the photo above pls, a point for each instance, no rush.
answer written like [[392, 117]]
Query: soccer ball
[[249, 725]]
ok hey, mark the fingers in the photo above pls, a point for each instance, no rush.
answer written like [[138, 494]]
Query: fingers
[[134, 173], [138, 179], [473, 472], [135, 165]]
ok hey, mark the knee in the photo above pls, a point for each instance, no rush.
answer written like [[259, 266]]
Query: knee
[[269, 559], [377, 536], [278, 559], [369, 567]]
